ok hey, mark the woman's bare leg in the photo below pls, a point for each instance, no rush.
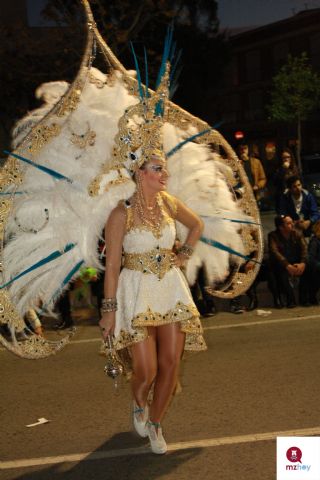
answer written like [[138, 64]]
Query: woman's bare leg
[[144, 362], [170, 344]]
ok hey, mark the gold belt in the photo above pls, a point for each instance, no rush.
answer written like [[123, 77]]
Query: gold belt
[[157, 261]]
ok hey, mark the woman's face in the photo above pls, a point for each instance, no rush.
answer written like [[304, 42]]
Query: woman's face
[[286, 159], [155, 175]]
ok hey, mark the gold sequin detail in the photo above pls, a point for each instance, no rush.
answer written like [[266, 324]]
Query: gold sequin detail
[[10, 173], [84, 140], [8, 312], [157, 261], [187, 315], [4, 212], [70, 101], [41, 135], [94, 186]]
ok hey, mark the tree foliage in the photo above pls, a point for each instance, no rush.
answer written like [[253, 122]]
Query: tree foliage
[[296, 90], [295, 94]]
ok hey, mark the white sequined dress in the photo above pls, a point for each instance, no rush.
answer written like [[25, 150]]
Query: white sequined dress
[[148, 298]]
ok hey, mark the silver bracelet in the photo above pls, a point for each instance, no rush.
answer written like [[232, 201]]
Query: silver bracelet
[[109, 305]]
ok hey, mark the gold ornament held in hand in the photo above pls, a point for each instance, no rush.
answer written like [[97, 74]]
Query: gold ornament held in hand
[[113, 367]]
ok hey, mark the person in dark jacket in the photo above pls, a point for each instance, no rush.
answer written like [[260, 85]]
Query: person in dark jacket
[[287, 168], [300, 205], [287, 258]]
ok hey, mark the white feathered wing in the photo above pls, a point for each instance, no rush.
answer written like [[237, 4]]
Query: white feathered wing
[[76, 218]]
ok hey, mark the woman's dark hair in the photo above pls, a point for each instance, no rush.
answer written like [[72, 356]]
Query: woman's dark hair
[[293, 163], [278, 220]]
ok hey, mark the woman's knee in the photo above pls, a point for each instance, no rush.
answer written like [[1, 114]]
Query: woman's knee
[[169, 362], [145, 374]]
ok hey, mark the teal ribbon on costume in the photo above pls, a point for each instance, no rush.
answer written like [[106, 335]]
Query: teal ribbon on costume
[[53, 256], [249, 222], [190, 139], [225, 248], [44, 169], [12, 193]]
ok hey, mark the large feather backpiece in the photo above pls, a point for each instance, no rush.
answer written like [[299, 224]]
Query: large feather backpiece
[[58, 188]]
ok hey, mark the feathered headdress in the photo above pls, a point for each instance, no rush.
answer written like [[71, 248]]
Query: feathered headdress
[[140, 133]]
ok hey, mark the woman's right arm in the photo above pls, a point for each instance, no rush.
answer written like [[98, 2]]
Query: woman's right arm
[[114, 234]]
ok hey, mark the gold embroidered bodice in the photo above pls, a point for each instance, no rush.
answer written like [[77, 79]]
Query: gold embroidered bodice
[[147, 250], [138, 238]]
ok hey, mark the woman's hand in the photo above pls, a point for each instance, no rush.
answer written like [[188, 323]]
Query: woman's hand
[[179, 260], [107, 324]]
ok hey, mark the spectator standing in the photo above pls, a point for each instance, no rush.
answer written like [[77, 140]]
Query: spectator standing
[[287, 168], [300, 205], [287, 258], [254, 170]]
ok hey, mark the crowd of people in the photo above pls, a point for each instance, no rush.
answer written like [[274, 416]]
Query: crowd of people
[[292, 262]]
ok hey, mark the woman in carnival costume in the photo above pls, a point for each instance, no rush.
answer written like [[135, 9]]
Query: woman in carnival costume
[[99, 154], [149, 306]]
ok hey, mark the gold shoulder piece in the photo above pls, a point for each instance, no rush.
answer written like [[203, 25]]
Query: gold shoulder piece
[[128, 211], [171, 202]]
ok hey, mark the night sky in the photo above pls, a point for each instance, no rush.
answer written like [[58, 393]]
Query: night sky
[[243, 13], [232, 13]]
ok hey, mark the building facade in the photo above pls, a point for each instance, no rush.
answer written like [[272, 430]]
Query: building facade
[[257, 55]]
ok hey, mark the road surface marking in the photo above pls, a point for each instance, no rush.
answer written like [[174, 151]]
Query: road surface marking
[[219, 327], [264, 322], [172, 447], [232, 325]]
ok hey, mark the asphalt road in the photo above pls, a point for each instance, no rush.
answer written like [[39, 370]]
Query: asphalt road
[[260, 375]]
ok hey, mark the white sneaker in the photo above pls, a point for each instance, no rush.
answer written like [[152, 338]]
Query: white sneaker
[[140, 417], [157, 442]]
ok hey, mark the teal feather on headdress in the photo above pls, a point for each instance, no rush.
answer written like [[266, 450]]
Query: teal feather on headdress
[[136, 63], [190, 139]]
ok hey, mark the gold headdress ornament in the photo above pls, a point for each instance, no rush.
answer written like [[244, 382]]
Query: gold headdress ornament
[[140, 136]]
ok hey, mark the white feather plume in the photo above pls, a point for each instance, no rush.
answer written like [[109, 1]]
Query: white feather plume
[[197, 177]]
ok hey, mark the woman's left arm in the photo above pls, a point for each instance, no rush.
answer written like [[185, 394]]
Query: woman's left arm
[[195, 226]]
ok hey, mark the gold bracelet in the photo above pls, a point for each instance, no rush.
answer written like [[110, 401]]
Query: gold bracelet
[[186, 250]]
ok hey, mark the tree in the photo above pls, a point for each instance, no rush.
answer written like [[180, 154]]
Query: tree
[[295, 94]]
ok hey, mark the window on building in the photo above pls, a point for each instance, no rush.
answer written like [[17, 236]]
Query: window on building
[[280, 55], [254, 106], [253, 66], [315, 51], [231, 74], [231, 108]]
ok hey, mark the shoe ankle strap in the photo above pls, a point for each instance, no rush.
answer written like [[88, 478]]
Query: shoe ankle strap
[[138, 410], [155, 424]]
